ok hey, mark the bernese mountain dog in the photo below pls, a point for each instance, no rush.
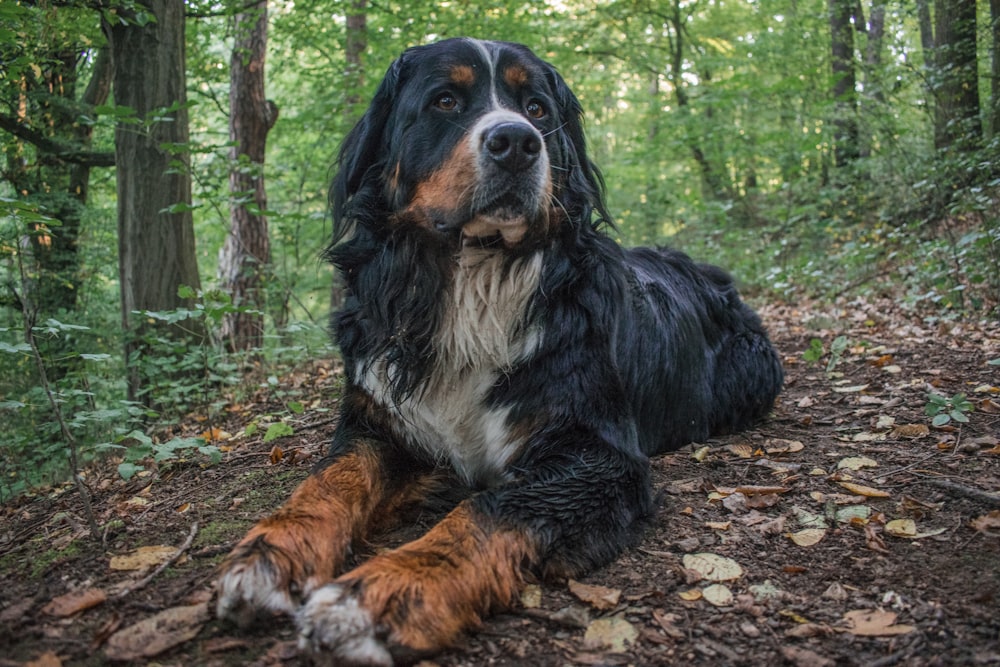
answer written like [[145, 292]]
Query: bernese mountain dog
[[495, 338]]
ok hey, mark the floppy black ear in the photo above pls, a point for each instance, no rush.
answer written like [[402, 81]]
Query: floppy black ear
[[362, 149], [583, 192]]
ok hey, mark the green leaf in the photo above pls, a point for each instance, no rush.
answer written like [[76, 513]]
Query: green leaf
[[277, 430], [251, 428], [959, 416], [941, 419], [127, 470], [296, 407], [815, 351], [14, 349]]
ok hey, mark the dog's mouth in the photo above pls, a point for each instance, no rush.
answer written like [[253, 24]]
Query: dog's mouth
[[490, 229]]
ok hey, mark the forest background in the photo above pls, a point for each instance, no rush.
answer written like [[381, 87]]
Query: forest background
[[818, 149]]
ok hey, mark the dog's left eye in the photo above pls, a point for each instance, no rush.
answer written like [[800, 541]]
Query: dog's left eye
[[534, 109], [446, 102]]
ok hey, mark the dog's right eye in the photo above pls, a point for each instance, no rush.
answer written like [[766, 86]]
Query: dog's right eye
[[446, 102]]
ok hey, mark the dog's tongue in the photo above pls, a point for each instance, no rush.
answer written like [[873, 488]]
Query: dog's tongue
[[511, 229]]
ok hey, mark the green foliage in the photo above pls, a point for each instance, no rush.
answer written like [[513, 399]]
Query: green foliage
[[816, 351], [141, 447], [943, 409]]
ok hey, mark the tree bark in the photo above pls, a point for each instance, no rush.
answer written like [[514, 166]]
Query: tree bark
[[156, 245], [246, 255], [994, 124], [957, 124], [355, 43], [845, 123]]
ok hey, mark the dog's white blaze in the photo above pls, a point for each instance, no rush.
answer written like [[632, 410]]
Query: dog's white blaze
[[491, 67], [482, 336]]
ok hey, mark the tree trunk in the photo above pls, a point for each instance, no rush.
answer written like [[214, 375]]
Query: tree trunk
[[711, 179], [874, 95], [845, 123], [955, 82], [994, 123], [156, 249], [246, 254], [354, 80]]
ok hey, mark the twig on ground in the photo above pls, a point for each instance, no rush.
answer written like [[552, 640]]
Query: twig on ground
[[142, 583], [963, 490], [907, 467]]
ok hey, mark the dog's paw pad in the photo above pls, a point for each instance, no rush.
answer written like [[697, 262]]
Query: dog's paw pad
[[334, 629]]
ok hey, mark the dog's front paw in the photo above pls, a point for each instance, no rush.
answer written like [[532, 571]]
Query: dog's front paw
[[335, 629], [256, 581]]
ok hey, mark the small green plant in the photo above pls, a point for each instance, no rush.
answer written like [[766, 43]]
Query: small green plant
[[942, 409], [143, 447], [815, 351]]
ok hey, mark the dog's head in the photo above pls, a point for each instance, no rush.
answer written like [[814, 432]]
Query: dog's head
[[473, 141]]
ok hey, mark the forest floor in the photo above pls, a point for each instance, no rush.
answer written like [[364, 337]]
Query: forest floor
[[845, 530]]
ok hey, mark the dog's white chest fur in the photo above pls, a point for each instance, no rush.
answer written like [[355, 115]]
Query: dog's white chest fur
[[482, 335]]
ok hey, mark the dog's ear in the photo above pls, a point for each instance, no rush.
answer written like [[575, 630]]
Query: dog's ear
[[362, 149], [583, 190]]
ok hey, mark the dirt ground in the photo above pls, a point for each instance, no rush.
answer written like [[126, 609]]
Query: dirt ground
[[845, 530]]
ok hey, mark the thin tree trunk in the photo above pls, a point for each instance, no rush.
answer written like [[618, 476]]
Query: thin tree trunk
[[355, 44], [156, 245], [845, 122], [874, 94], [246, 255], [994, 116]]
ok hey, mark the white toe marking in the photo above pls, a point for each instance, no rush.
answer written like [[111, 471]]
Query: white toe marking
[[336, 630], [247, 589]]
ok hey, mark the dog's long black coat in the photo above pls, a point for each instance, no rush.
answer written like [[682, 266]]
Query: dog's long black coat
[[491, 329]]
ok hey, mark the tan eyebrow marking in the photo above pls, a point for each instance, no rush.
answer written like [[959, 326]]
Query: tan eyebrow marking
[[462, 75], [515, 76]]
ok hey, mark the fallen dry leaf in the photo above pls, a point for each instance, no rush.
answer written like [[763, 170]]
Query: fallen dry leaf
[[717, 595], [47, 659], [807, 537], [782, 446], [911, 431], [599, 597], [713, 567], [531, 596], [690, 595], [874, 623], [857, 463], [742, 450], [156, 634], [667, 623], [851, 389], [72, 603], [988, 523], [803, 657], [613, 633], [862, 490], [143, 558]]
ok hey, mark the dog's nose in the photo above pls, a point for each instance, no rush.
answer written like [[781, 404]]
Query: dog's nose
[[513, 146]]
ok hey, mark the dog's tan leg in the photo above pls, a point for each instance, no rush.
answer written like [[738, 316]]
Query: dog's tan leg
[[418, 598], [303, 545]]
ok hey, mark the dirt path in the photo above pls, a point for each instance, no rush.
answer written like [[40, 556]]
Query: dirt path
[[906, 569]]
